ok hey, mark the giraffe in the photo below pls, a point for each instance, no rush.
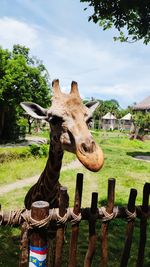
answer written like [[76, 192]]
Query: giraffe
[[68, 118]]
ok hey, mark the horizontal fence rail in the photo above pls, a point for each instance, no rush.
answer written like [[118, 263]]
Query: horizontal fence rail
[[17, 217], [43, 229]]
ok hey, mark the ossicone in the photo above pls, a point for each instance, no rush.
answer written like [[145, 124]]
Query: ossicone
[[74, 88], [56, 88]]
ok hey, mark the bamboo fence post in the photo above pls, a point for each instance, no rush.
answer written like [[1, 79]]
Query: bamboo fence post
[[75, 228], [104, 228], [143, 225], [38, 237], [92, 231], [129, 230], [61, 228], [24, 247]]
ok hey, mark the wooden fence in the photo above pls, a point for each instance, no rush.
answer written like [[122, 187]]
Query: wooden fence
[[43, 230]]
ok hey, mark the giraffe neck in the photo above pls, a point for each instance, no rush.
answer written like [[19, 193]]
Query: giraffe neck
[[47, 186]]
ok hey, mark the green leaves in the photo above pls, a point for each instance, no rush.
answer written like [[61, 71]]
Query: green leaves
[[130, 18], [142, 120]]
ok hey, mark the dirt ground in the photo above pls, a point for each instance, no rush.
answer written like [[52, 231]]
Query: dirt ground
[[28, 141]]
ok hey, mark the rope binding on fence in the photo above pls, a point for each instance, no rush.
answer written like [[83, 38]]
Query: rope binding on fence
[[17, 217], [108, 216], [130, 215]]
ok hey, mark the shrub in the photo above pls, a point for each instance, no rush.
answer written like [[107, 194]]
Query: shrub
[[38, 150], [14, 153]]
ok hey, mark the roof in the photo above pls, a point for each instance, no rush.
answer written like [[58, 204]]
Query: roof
[[127, 117], [143, 105], [109, 116]]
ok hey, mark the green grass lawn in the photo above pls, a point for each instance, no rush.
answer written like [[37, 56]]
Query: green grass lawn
[[17, 168], [119, 164]]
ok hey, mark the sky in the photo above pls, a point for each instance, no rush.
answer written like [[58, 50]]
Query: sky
[[73, 49]]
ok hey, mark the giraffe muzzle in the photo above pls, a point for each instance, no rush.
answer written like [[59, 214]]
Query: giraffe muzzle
[[90, 155]]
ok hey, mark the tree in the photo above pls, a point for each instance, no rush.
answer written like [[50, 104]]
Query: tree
[[22, 78], [125, 111], [105, 107], [142, 121], [130, 18]]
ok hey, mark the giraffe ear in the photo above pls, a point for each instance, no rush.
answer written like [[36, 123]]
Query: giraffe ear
[[92, 105], [34, 110]]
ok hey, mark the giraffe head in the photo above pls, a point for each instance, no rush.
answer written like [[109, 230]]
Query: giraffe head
[[69, 118]]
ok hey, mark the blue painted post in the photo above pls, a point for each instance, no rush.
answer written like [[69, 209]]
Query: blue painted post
[[38, 237]]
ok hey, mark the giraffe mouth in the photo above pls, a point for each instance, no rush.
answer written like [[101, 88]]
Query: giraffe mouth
[[92, 158]]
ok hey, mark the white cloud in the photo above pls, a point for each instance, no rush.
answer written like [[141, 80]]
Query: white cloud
[[81, 52], [102, 72], [80, 58], [118, 90], [13, 31], [125, 93]]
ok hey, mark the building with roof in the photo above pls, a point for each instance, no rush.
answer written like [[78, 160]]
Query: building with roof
[[125, 122], [144, 105], [109, 122]]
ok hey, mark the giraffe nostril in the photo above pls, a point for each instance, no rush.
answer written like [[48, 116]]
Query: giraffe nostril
[[88, 148], [84, 147]]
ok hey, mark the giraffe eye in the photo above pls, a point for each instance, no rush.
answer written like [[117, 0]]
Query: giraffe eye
[[55, 120], [89, 120]]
